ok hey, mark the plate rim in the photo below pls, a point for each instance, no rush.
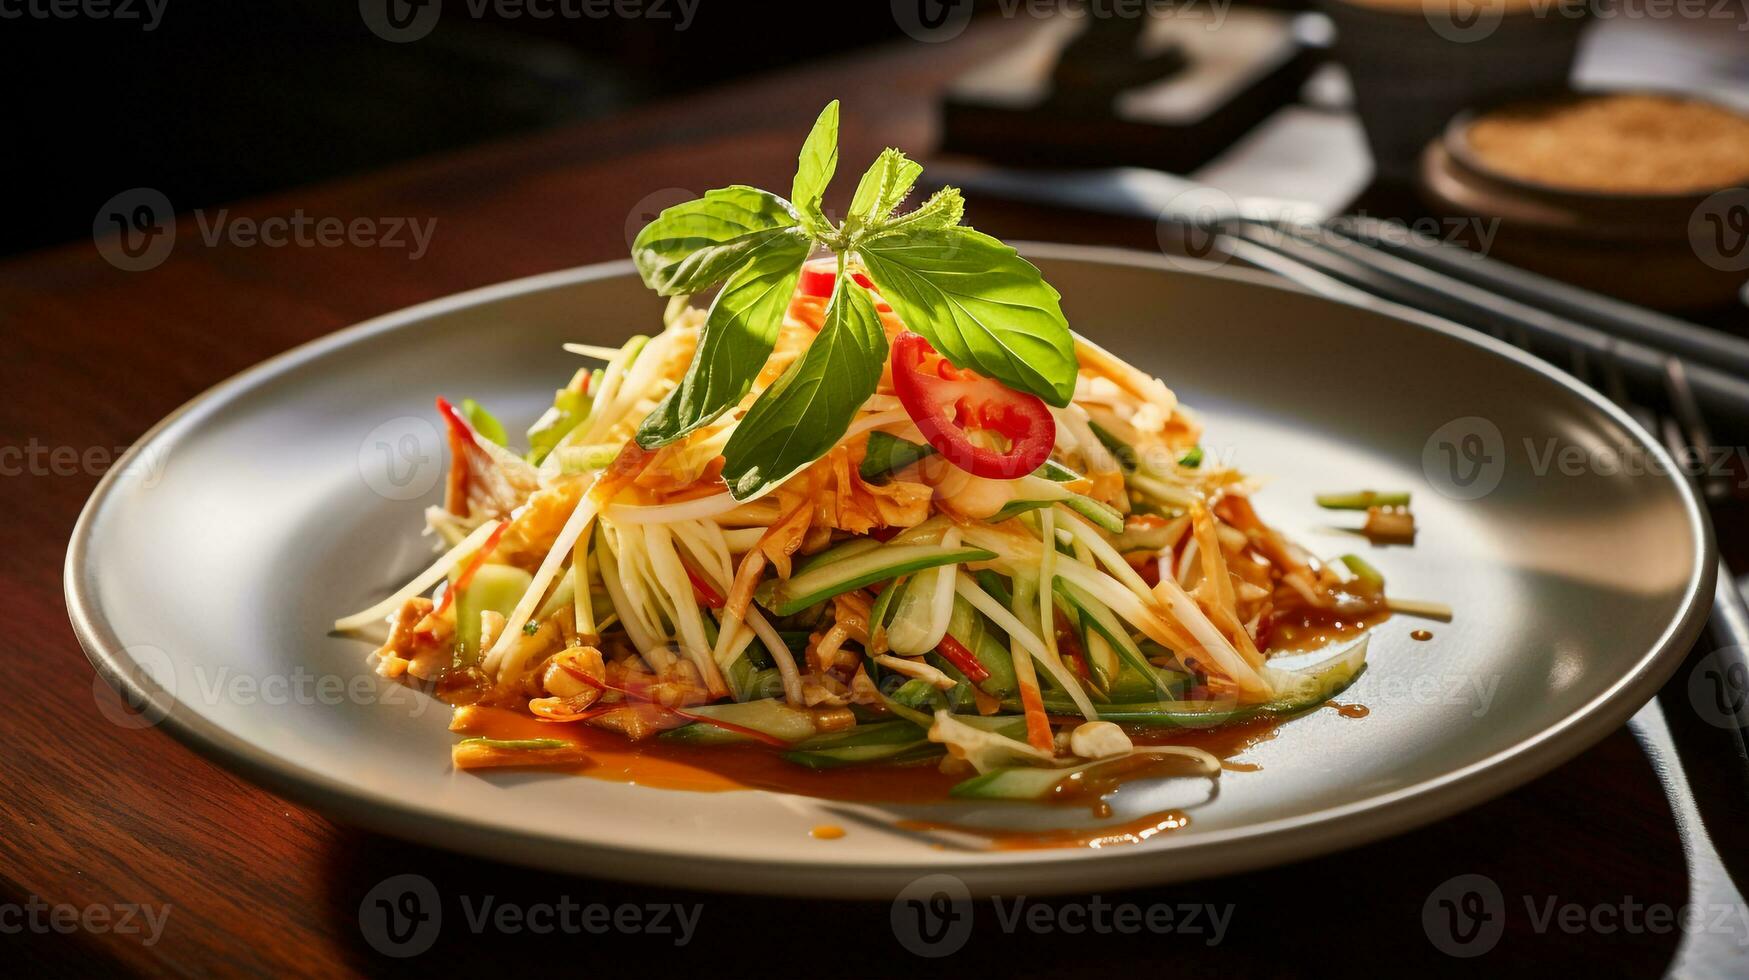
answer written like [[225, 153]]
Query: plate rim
[[1229, 851]]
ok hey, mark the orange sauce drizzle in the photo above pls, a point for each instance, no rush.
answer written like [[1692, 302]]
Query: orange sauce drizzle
[[1309, 629], [1349, 710]]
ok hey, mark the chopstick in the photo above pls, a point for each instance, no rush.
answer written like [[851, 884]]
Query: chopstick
[[1693, 343], [1687, 388], [1359, 265]]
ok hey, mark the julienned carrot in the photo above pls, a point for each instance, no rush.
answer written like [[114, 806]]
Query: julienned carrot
[[1038, 727]]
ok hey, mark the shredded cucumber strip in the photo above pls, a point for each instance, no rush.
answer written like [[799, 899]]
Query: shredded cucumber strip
[[1016, 631]]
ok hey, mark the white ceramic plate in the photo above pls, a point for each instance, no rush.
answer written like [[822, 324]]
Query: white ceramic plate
[[202, 579]]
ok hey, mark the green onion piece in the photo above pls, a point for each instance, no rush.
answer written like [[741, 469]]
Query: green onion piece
[[1362, 570], [1125, 453], [1192, 459], [483, 421], [530, 744], [570, 409], [1362, 499]]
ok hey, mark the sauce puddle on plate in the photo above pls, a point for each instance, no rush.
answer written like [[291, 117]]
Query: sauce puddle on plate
[[720, 768]]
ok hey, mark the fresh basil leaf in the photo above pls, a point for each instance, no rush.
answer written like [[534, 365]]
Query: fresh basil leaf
[[944, 209], [739, 332], [484, 422], [693, 246], [882, 188], [815, 166], [979, 303], [807, 410]]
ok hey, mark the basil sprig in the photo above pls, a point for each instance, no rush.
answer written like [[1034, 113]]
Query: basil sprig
[[977, 301]]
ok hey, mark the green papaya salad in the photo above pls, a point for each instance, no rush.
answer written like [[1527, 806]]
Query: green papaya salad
[[865, 499]]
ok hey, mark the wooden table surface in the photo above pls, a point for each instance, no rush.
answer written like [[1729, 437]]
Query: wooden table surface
[[95, 814]]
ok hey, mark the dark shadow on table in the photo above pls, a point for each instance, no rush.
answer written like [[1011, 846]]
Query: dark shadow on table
[[1561, 841]]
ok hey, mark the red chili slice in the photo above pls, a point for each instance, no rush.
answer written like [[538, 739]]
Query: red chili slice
[[818, 279], [947, 403], [703, 590], [955, 652]]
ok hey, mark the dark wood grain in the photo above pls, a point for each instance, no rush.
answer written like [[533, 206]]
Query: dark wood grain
[[95, 814]]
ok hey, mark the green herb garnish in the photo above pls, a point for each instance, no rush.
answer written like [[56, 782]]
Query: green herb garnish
[[977, 302]]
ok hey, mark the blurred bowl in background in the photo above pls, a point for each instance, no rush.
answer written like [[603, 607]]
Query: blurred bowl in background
[[1635, 193], [1416, 63]]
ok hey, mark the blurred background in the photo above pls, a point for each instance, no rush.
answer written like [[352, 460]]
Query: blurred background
[[1452, 113]]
